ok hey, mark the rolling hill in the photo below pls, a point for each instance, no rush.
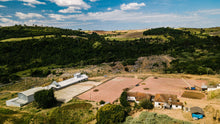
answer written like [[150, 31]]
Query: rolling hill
[[194, 53]]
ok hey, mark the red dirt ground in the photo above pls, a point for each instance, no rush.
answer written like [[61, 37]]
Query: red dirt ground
[[111, 90], [166, 85]]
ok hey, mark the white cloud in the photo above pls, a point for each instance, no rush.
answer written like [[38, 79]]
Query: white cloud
[[70, 9], [7, 22], [2, 6], [62, 17], [28, 15], [109, 9], [73, 5], [123, 16], [4, 0], [93, 0], [32, 2], [132, 6], [209, 12]]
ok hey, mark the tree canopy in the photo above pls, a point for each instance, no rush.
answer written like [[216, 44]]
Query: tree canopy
[[45, 98], [110, 114]]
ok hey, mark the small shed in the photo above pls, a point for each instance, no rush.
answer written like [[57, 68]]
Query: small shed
[[197, 112], [204, 87]]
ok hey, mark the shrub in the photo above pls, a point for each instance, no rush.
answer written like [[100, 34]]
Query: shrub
[[123, 99], [110, 114], [40, 73], [102, 102], [146, 104], [45, 98]]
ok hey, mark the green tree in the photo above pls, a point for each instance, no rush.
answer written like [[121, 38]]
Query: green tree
[[45, 98], [146, 104], [123, 99], [110, 114]]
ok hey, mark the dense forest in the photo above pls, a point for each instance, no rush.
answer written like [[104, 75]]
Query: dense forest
[[194, 55]]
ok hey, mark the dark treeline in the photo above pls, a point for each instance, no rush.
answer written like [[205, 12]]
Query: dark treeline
[[193, 54], [18, 31], [166, 31]]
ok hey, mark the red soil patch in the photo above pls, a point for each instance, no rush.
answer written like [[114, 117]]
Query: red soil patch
[[166, 86], [111, 90]]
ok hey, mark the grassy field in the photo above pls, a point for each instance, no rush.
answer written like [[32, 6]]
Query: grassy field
[[210, 31], [128, 35], [74, 112], [25, 38], [153, 118], [214, 94], [193, 95]]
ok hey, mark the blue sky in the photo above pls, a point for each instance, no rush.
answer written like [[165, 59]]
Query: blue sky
[[111, 14]]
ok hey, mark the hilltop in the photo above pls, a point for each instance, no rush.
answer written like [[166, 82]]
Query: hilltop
[[19, 31]]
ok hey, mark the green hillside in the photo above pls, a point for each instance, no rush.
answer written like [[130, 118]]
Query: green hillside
[[193, 54], [19, 31]]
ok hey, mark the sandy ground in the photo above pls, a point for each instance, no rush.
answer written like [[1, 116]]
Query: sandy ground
[[66, 94], [166, 85], [110, 90]]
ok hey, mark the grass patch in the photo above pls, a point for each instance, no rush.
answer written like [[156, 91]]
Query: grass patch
[[72, 113], [193, 95], [214, 94], [146, 88], [153, 118], [120, 38], [25, 38], [7, 111], [79, 113]]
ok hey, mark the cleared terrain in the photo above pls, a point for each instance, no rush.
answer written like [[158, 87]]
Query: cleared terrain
[[155, 85], [110, 90]]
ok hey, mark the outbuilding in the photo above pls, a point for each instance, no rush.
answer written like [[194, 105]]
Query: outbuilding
[[24, 97], [167, 101], [197, 112]]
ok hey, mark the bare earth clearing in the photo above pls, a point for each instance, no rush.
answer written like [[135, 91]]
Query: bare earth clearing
[[166, 85], [110, 90]]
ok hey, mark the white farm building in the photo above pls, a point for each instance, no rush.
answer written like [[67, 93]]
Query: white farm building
[[27, 96], [24, 97], [76, 79]]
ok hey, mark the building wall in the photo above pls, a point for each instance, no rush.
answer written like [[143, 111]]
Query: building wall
[[31, 98], [211, 89], [131, 98], [12, 102], [176, 107], [158, 104], [22, 96]]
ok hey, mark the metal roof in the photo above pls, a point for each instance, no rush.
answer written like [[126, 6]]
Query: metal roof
[[72, 81], [32, 91], [196, 110]]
